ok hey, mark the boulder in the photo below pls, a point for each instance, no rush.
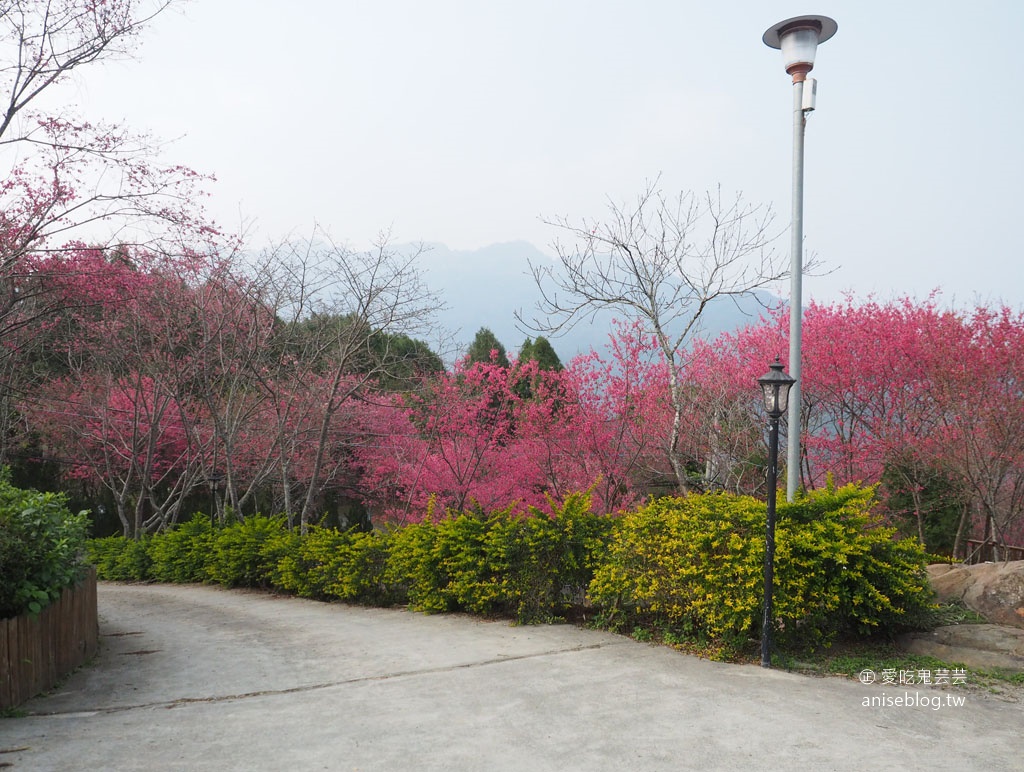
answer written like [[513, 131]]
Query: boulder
[[981, 647], [994, 590]]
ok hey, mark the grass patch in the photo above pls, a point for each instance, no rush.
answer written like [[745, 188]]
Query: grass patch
[[947, 614], [849, 658], [846, 659]]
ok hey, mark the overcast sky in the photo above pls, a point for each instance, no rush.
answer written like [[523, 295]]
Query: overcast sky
[[465, 122]]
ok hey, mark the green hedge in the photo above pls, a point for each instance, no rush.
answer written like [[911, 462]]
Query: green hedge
[[182, 555], [690, 565], [41, 548], [695, 565], [328, 564], [118, 559], [531, 568], [240, 556]]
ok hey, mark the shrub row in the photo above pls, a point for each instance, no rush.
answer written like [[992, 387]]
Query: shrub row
[[695, 566], [529, 568], [41, 548], [690, 565]]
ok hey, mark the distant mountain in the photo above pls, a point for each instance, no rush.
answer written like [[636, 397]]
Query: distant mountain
[[485, 288]]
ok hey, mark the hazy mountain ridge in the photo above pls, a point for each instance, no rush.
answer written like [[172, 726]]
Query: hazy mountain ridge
[[485, 288]]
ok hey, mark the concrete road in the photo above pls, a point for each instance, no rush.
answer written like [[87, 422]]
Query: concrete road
[[199, 678]]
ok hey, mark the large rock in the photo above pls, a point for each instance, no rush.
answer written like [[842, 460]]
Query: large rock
[[994, 590], [980, 647]]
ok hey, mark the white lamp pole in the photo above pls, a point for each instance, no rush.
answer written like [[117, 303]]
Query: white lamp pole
[[798, 38]]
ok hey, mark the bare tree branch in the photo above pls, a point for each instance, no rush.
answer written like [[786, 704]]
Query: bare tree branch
[[660, 262]]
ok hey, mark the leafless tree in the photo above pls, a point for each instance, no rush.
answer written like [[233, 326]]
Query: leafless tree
[[45, 40], [660, 262], [65, 176], [341, 310]]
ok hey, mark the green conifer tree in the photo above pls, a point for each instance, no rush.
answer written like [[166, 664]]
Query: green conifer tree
[[482, 347]]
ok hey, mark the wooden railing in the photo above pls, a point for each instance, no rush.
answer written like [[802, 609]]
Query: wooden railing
[[979, 551], [37, 651]]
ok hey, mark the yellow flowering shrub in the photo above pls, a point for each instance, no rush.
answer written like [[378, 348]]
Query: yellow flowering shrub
[[695, 564]]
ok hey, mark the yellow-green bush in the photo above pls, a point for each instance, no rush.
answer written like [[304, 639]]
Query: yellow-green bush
[[696, 564], [239, 556], [847, 570], [545, 563], [362, 562], [182, 554], [691, 566], [412, 569], [118, 559], [328, 564], [530, 568], [442, 565]]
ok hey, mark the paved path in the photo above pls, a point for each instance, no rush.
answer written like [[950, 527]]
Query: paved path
[[199, 678]]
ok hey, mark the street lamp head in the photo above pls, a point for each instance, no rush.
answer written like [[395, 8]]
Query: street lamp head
[[798, 38], [775, 386]]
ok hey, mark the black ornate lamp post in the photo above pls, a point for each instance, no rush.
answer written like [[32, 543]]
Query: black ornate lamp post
[[215, 479], [775, 386]]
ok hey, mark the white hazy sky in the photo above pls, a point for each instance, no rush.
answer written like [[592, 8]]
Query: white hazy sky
[[464, 122]]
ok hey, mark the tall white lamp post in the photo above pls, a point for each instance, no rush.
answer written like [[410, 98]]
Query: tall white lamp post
[[798, 38]]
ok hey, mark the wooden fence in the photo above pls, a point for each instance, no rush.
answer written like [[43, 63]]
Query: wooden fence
[[37, 651], [990, 551]]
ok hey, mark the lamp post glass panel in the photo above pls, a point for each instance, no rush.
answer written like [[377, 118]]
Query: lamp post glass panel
[[775, 390], [798, 39]]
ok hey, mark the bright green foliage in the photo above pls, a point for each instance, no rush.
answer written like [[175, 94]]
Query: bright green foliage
[[546, 562], [531, 568], [696, 563], [181, 554], [240, 554], [41, 544], [329, 564], [361, 576], [414, 567], [467, 578], [688, 568], [288, 571], [693, 562], [118, 559], [850, 572]]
